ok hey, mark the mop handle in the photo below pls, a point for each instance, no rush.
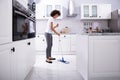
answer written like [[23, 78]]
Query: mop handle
[[60, 46]]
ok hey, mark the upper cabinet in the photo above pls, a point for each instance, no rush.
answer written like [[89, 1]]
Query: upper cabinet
[[96, 11], [43, 10], [5, 21]]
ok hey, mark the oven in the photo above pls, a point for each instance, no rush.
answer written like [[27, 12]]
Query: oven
[[23, 22]]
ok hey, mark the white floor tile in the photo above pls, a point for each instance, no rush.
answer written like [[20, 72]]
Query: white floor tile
[[56, 70]]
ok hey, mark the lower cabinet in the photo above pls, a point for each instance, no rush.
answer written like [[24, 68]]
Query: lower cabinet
[[40, 43], [5, 62], [64, 43], [98, 57], [73, 43], [25, 56], [16, 59], [55, 47], [104, 56]]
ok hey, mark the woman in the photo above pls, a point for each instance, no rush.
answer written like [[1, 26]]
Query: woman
[[48, 33]]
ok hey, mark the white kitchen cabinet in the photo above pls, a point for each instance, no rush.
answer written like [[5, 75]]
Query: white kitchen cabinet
[[64, 44], [96, 11], [5, 17], [21, 59], [5, 62], [104, 56], [40, 11], [55, 43], [40, 43], [24, 57], [73, 43], [50, 7], [104, 11], [16, 59], [98, 57], [89, 11], [31, 53], [43, 10]]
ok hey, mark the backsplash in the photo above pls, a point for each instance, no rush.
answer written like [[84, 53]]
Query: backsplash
[[75, 26]]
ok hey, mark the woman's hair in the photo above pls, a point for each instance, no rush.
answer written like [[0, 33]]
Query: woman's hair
[[54, 12]]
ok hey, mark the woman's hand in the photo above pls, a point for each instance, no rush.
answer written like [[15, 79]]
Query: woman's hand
[[58, 34], [57, 25]]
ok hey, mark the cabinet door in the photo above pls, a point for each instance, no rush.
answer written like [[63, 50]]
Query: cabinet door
[[49, 8], [59, 7], [94, 11], [5, 17], [21, 59], [86, 11], [104, 56], [55, 43], [64, 43], [5, 63], [40, 11], [30, 54], [104, 11], [40, 43], [73, 42]]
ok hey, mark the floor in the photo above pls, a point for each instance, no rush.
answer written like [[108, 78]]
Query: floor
[[56, 70]]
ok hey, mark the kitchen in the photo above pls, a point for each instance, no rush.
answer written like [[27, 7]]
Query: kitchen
[[92, 55]]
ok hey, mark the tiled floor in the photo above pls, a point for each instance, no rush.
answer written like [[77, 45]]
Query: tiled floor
[[56, 70]]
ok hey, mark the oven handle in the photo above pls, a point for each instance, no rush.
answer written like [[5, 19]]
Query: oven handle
[[31, 19], [20, 13]]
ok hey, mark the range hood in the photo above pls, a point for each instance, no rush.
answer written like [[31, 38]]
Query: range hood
[[71, 9]]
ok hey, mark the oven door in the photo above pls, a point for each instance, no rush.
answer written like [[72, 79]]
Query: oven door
[[20, 25], [31, 28]]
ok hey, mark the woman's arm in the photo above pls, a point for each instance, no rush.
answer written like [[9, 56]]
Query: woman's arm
[[53, 29]]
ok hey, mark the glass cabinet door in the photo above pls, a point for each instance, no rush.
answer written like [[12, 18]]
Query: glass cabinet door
[[86, 11], [48, 10], [94, 11], [58, 7]]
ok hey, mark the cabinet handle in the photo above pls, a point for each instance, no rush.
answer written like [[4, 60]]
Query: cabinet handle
[[13, 49], [43, 40], [28, 43]]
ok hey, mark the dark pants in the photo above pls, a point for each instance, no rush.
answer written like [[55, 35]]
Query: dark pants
[[49, 44]]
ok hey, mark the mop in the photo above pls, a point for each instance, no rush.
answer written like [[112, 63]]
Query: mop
[[60, 50]]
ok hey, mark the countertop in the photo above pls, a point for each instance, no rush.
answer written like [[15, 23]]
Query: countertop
[[55, 34], [101, 34]]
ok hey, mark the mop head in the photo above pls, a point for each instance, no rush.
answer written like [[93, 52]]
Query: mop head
[[63, 61]]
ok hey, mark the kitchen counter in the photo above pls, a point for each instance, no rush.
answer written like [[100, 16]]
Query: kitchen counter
[[101, 34], [98, 56]]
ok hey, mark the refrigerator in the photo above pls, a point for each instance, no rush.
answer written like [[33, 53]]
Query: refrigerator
[[114, 23]]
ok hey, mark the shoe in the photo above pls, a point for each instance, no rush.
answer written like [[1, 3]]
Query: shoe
[[48, 61], [52, 58]]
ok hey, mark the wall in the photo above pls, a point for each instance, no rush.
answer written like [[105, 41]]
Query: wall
[[74, 23]]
